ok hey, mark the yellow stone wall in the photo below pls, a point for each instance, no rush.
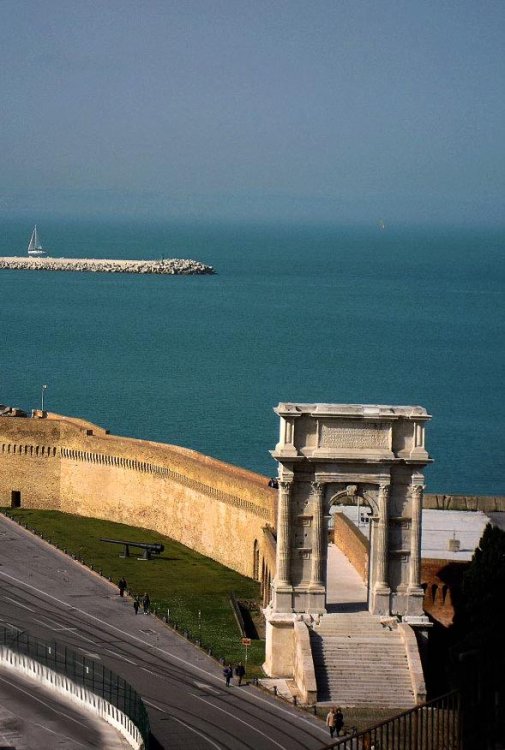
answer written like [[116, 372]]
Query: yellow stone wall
[[71, 465]]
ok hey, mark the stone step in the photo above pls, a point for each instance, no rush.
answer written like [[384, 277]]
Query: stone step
[[359, 662]]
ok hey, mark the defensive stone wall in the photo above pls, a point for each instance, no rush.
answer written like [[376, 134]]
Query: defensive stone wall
[[76, 467]]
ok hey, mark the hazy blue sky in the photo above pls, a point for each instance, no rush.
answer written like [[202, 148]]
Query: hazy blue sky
[[344, 110]]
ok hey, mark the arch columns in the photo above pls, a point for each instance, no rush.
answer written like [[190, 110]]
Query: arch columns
[[379, 588], [282, 589], [316, 593], [415, 593]]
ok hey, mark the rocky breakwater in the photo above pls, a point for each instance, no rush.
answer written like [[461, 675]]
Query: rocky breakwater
[[167, 267]]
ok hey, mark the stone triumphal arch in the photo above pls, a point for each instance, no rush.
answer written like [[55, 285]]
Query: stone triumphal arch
[[326, 452]]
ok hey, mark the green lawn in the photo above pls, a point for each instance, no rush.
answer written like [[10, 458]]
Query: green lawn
[[194, 589]]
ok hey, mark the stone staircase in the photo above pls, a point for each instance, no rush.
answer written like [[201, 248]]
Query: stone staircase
[[359, 662]]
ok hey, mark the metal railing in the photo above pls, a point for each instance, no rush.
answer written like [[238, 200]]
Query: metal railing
[[431, 726], [89, 673]]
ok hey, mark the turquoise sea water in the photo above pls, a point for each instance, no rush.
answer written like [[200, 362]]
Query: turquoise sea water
[[331, 314]]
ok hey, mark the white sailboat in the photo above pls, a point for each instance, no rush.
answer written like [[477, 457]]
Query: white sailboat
[[35, 248]]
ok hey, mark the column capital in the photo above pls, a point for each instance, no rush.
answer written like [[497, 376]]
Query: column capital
[[317, 487], [285, 485], [416, 490]]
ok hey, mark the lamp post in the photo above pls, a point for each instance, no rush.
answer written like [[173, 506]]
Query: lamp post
[[42, 397]]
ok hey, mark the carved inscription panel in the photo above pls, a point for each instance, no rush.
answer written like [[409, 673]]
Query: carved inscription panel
[[354, 434]]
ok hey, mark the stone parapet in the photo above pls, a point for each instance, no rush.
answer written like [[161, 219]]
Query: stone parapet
[[484, 503], [414, 661], [303, 667]]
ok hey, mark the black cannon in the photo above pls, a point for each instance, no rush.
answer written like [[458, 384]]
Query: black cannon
[[150, 548]]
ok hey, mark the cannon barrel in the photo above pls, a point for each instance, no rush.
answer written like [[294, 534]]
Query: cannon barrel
[[155, 547]]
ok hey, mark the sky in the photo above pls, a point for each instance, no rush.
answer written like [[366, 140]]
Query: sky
[[323, 110]]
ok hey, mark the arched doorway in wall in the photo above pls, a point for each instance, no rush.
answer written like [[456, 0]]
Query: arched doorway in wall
[[349, 518]]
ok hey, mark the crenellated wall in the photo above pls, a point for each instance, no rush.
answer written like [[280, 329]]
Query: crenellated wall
[[71, 465]]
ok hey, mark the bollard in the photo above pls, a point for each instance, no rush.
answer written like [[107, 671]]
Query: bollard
[[295, 701], [209, 651], [275, 689], [314, 709]]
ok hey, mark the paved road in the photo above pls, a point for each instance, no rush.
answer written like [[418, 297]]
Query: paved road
[[34, 718], [53, 597]]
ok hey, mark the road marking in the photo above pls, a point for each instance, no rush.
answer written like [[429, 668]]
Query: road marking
[[153, 705], [59, 735], [85, 638], [18, 604], [150, 671], [89, 654], [204, 686], [234, 716], [273, 706], [200, 734], [55, 630], [120, 656], [55, 622], [31, 695]]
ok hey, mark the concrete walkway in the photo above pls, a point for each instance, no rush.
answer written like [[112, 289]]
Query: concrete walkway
[[346, 591]]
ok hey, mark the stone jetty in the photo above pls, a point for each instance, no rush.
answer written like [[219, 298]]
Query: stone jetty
[[168, 266]]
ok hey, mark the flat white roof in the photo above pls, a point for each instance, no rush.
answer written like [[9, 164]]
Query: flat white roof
[[439, 526]]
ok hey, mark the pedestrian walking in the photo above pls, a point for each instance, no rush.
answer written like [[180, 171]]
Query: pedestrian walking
[[331, 719], [228, 674], [122, 585], [136, 605], [239, 672], [146, 603], [339, 721]]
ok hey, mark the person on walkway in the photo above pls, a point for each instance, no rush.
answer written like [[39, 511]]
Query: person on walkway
[[146, 603], [331, 719], [228, 674], [339, 721], [136, 605], [240, 672], [122, 585]]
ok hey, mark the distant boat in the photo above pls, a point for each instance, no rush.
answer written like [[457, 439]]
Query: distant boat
[[35, 248], [382, 224]]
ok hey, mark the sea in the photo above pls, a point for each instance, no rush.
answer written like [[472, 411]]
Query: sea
[[308, 313]]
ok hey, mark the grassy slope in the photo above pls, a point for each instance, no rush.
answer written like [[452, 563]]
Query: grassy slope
[[180, 580]]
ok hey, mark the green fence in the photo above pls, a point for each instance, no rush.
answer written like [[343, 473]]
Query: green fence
[[90, 674]]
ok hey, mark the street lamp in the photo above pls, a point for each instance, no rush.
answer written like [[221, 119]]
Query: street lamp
[[42, 397]]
